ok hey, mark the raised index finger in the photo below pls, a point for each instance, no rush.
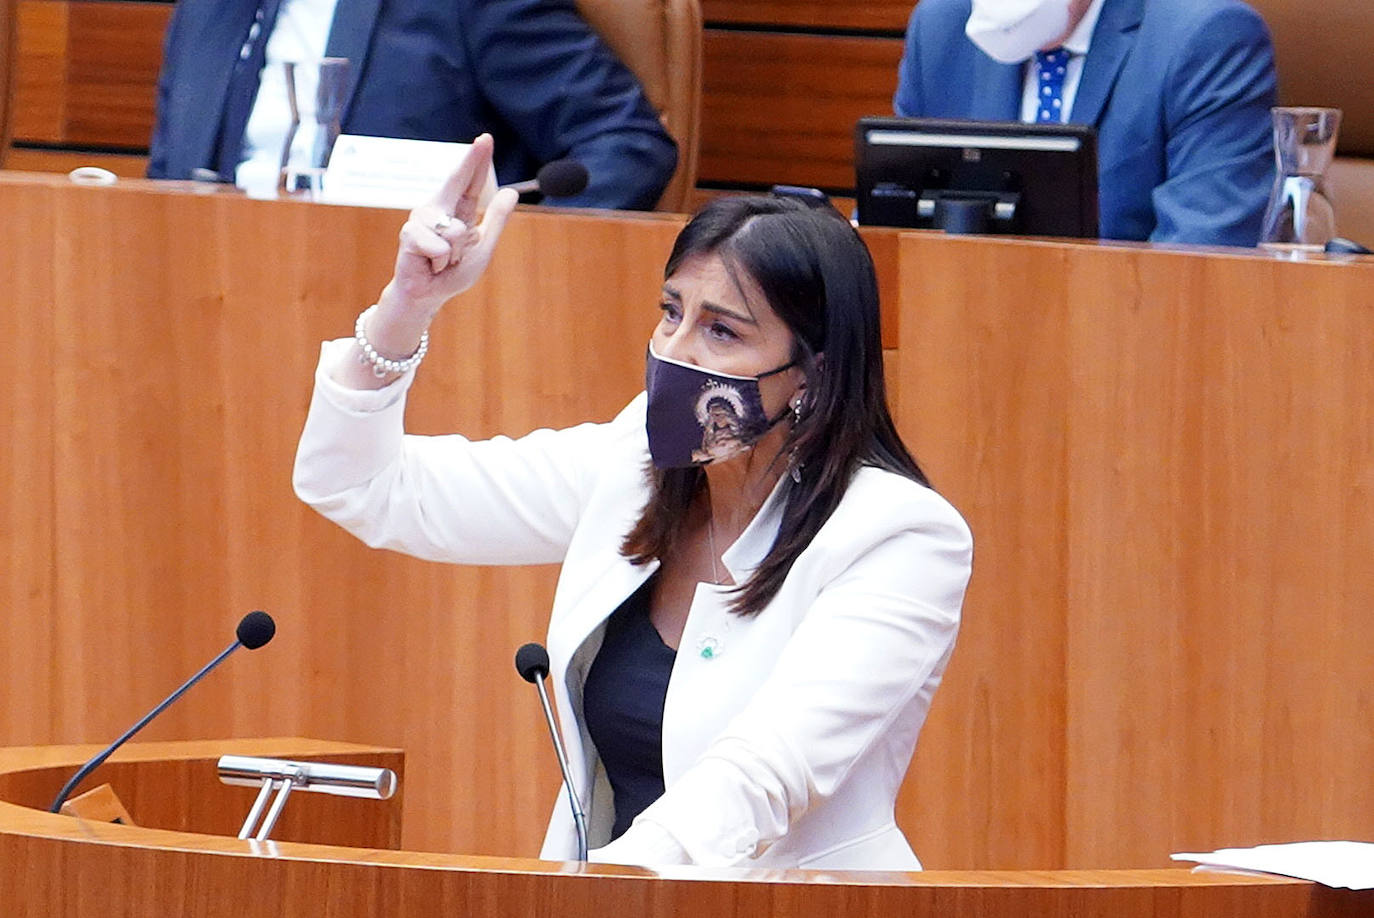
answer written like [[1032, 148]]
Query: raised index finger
[[463, 188]]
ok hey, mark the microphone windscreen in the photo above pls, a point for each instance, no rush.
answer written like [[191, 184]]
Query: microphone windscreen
[[562, 178], [255, 629], [532, 662]]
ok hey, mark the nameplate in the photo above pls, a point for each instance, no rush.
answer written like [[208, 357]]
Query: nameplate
[[389, 172]]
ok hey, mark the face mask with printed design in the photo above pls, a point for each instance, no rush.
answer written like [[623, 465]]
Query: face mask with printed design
[[697, 416]]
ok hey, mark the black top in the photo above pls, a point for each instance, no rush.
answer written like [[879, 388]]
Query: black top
[[623, 706]]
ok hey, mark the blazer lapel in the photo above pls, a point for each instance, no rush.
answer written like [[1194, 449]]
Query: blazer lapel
[[351, 36], [997, 96], [569, 630], [205, 79], [613, 583], [1111, 44]]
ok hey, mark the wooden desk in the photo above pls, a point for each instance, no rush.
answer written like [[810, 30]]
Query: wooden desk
[[1166, 458], [61, 867]]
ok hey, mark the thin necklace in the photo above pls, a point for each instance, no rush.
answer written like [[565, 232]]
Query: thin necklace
[[711, 543]]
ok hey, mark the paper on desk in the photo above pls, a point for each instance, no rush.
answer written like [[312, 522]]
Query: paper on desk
[[393, 172], [1341, 864]]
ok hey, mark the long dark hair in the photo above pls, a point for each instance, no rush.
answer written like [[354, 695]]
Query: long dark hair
[[817, 275]]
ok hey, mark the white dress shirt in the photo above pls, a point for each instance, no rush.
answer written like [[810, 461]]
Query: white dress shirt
[[1077, 45]]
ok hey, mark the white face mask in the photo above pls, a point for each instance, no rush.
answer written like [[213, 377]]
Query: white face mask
[[1010, 31]]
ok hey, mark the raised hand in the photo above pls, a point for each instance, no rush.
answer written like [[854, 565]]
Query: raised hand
[[443, 249]]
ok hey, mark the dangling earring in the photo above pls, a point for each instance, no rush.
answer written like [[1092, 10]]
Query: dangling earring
[[794, 467]]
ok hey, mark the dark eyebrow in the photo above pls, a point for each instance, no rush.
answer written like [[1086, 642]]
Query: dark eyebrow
[[721, 310], [709, 306]]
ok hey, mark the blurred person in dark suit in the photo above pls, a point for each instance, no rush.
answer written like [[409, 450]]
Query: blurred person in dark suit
[[530, 72]]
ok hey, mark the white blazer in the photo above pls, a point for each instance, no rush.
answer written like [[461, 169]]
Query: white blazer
[[785, 734]]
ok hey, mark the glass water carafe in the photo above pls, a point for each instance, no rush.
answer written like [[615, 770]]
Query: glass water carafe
[[1300, 216], [316, 92]]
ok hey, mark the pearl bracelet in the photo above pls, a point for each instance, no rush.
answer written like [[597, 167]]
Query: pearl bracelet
[[383, 367]]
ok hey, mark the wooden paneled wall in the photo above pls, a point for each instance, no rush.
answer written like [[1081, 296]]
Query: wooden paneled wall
[[1165, 458], [88, 72], [84, 83], [878, 16], [1165, 466], [786, 81], [8, 34], [771, 115]]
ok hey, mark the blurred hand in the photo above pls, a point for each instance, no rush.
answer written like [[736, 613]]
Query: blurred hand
[[443, 250]]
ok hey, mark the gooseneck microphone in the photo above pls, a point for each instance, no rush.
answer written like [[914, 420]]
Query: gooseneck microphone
[[532, 662], [561, 178], [254, 630]]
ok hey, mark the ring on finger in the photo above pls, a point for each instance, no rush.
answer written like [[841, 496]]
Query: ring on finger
[[443, 223]]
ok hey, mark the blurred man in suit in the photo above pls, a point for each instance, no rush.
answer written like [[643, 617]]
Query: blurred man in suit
[[530, 72], [1178, 90]]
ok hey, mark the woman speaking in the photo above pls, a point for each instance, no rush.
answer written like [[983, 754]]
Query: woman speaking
[[759, 590]]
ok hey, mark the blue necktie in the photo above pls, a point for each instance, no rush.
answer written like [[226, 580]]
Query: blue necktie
[[1050, 69], [243, 90]]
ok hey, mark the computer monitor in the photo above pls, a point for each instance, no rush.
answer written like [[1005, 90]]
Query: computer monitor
[[977, 176]]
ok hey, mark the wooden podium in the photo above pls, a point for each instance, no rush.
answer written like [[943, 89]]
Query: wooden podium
[[55, 866]]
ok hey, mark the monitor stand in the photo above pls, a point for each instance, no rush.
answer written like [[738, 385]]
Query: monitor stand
[[968, 213]]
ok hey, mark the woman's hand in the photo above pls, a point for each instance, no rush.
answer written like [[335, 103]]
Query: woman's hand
[[443, 252], [443, 249]]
